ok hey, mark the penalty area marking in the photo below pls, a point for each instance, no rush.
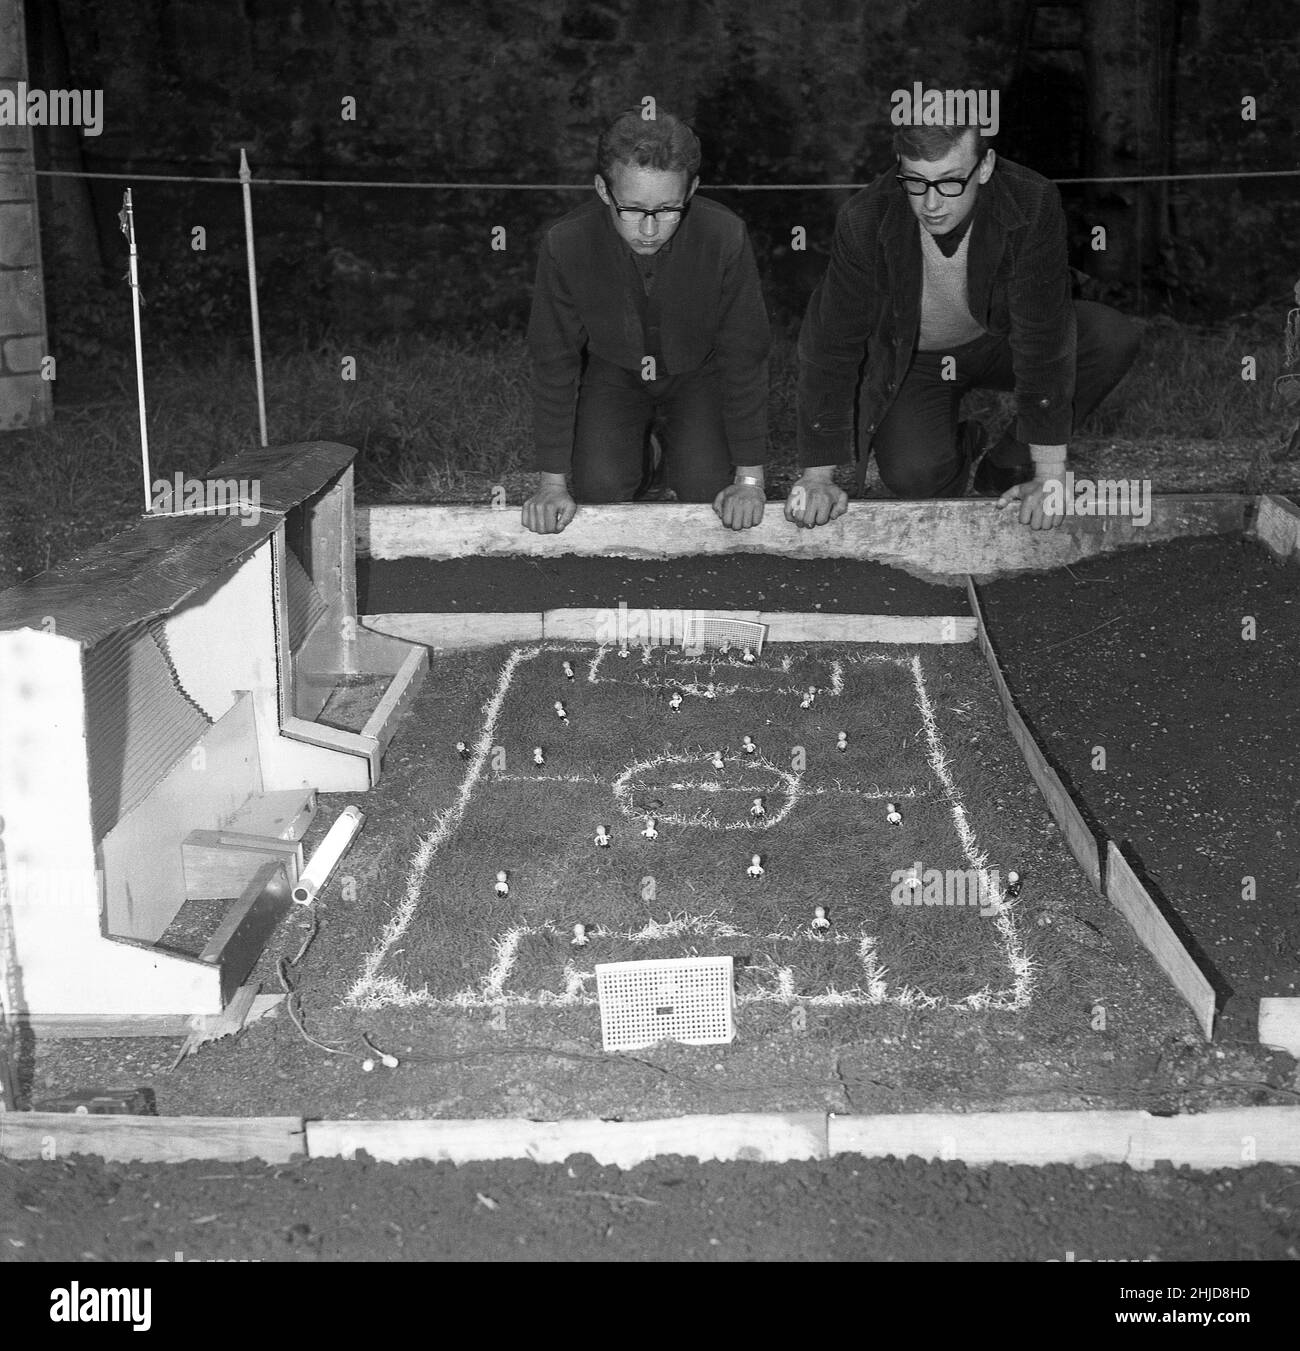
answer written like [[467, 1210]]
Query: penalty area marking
[[374, 991]]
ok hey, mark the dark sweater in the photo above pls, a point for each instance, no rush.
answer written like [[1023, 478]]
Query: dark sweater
[[869, 304], [705, 307]]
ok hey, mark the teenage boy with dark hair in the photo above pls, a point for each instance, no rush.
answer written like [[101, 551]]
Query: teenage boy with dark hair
[[647, 312], [950, 273]]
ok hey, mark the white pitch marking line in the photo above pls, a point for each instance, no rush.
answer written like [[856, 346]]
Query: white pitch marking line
[[1021, 966], [443, 827]]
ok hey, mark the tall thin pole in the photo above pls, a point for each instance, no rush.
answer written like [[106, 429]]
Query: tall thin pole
[[246, 178], [127, 221]]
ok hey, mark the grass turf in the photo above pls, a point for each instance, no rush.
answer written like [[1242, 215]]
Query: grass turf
[[625, 755]]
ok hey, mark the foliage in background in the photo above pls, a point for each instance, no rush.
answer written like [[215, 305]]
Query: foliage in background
[[515, 91]]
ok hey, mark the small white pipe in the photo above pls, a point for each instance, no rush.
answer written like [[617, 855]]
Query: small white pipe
[[328, 853]]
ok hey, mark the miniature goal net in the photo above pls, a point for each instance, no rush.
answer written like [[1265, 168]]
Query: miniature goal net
[[721, 631], [685, 999]]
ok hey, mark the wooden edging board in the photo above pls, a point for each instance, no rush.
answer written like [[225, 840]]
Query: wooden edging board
[[1121, 885], [1279, 1023], [1126, 893], [1065, 812], [152, 1139], [1225, 1138], [454, 630], [939, 541], [1277, 525]]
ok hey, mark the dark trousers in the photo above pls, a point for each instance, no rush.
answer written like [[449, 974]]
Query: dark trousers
[[616, 411], [918, 451]]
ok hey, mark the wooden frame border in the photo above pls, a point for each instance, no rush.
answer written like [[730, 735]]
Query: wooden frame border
[[939, 541], [1224, 1138], [454, 630], [1277, 526], [1065, 812]]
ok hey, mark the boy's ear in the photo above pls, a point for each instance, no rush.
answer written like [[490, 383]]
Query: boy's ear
[[695, 183], [601, 190]]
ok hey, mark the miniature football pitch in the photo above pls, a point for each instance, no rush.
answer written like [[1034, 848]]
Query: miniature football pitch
[[733, 808]]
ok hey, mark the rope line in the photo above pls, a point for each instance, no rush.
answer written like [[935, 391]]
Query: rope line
[[582, 187]]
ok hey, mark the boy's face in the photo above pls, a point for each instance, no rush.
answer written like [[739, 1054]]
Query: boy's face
[[632, 186], [938, 214]]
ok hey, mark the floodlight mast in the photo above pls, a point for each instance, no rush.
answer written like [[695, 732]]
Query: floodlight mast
[[245, 179], [126, 219]]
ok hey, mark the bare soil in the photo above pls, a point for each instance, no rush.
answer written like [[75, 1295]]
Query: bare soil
[[547, 1064], [1151, 655]]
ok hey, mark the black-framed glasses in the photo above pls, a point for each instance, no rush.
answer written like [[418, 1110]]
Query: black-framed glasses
[[946, 187], [635, 214]]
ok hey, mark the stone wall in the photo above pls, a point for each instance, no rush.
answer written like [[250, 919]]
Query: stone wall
[[24, 394]]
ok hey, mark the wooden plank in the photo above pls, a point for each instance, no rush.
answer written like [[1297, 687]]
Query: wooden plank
[[452, 631], [634, 625], [334, 739], [1065, 811], [1277, 525], [937, 541], [1127, 894], [380, 653], [148, 1139], [220, 864], [243, 933], [402, 689], [282, 815], [1279, 1024], [1219, 1139], [757, 1136], [81, 1026], [839, 628], [661, 627]]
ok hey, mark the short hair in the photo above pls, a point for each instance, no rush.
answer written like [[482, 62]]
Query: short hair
[[932, 143], [664, 143]]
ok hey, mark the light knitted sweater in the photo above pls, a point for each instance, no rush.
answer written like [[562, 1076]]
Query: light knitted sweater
[[946, 320]]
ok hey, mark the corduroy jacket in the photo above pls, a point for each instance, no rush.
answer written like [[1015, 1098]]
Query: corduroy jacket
[[866, 311], [706, 307]]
